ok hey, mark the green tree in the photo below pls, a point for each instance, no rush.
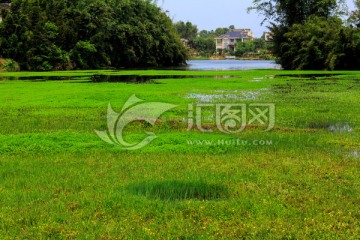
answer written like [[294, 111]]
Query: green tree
[[205, 46], [244, 47], [62, 34], [187, 30], [320, 44], [259, 43], [355, 15], [308, 34], [221, 31], [289, 12], [206, 34]]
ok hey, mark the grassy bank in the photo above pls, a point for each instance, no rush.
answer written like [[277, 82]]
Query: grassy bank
[[298, 181]]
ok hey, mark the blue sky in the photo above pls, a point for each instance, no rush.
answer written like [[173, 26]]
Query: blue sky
[[210, 14]]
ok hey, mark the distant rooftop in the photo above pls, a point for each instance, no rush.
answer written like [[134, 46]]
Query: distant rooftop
[[237, 33], [234, 34]]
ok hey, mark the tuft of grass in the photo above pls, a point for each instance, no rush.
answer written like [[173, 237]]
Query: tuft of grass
[[179, 190]]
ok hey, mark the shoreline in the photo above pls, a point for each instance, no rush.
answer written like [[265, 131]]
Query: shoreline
[[223, 58]]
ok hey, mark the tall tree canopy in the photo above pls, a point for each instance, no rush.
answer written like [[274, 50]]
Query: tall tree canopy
[[83, 34], [355, 15], [289, 12], [308, 34], [187, 30]]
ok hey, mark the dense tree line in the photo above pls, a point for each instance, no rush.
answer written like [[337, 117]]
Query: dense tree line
[[202, 43], [187, 30], [84, 34], [258, 49], [309, 34]]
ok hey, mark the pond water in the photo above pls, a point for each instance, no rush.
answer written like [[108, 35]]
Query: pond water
[[231, 65], [192, 65], [98, 78]]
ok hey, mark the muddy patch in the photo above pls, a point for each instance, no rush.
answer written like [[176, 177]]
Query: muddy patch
[[355, 154], [307, 76], [223, 95], [340, 128]]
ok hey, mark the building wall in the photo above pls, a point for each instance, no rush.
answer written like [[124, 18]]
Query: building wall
[[227, 43], [267, 36]]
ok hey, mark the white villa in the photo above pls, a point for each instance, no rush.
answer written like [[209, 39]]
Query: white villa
[[230, 39]]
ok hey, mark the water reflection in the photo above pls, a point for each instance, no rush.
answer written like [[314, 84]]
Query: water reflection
[[231, 65]]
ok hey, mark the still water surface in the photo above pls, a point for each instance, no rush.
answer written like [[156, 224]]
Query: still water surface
[[231, 64]]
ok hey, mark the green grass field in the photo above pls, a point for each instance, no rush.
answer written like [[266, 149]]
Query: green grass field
[[59, 180]]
